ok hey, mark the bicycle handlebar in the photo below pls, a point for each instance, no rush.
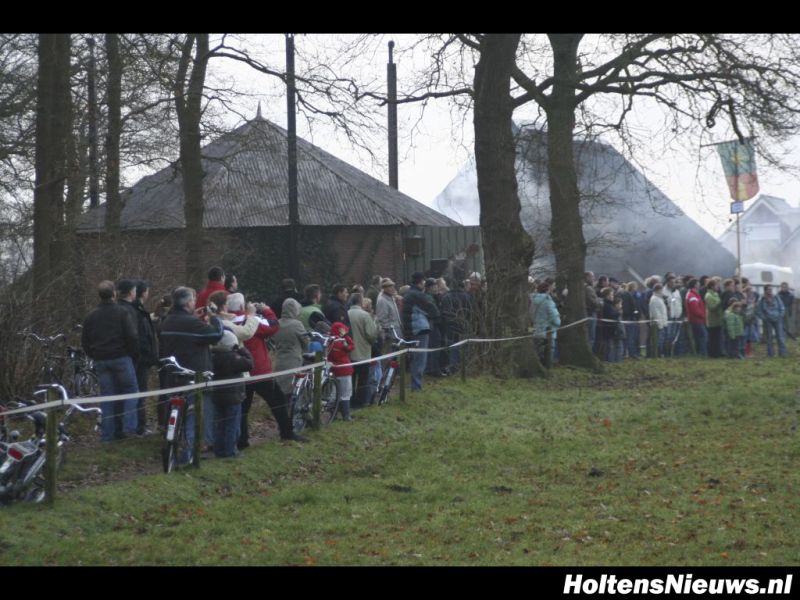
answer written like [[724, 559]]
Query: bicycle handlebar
[[170, 362], [46, 341], [52, 386], [398, 341]]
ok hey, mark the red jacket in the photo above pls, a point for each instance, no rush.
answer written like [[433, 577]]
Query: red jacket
[[695, 308], [257, 345], [213, 286], [340, 355]]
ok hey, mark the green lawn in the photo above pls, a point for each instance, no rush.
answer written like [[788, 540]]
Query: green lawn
[[682, 462]]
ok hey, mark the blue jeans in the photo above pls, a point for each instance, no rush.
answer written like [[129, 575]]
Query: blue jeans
[[777, 328], [454, 354], [226, 429], [591, 326], [374, 380], [700, 335], [662, 340], [674, 345], [117, 376], [418, 362], [613, 350], [632, 339]]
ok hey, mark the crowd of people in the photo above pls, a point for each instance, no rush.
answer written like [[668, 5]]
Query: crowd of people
[[708, 315], [218, 330]]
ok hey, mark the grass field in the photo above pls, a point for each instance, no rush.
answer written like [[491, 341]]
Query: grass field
[[682, 462]]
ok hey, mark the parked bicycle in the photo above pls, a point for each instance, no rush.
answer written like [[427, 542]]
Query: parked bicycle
[[176, 449], [73, 369], [303, 388], [22, 470], [390, 372]]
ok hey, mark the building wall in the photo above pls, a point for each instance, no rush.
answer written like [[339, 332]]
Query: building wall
[[257, 256]]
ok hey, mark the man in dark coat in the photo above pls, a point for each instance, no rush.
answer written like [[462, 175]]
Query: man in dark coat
[[419, 315], [189, 338], [288, 290], [110, 339], [336, 307]]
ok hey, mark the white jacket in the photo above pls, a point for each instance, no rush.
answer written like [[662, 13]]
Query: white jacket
[[674, 304], [658, 310]]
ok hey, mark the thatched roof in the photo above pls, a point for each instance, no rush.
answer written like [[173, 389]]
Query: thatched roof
[[246, 185]]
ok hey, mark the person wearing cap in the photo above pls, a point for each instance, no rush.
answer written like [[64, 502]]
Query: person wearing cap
[[340, 357], [388, 313], [364, 331], [231, 361], [419, 311]]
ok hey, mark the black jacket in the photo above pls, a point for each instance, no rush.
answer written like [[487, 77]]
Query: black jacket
[[335, 310], [230, 364], [277, 303], [416, 297], [457, 309], [188, 339], [148, 345], [109, 332]]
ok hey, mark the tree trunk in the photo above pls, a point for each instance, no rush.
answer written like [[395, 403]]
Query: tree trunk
[[52, 132], [114, 93], [508, 249], [188, 102], [569, 245]]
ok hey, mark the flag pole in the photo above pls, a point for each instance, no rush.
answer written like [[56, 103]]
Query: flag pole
[[738, 249]]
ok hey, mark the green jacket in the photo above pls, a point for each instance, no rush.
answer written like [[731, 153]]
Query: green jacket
[[713, 309], [734, 324], [305, 314], [364, 331]]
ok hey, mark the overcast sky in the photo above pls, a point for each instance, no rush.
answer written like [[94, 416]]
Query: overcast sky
[[441, 144]]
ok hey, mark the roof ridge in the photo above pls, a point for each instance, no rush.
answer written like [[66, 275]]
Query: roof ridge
[[320, 155]]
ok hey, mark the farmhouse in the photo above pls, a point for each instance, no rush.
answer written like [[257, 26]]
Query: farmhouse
[[632, 229], [352, 225]]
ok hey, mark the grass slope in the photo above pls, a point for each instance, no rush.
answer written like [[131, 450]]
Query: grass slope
[[680, 462]]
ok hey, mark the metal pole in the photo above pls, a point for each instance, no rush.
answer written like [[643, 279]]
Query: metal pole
[[738, 249], [291, 129], [51, 452], [391, 71], [198, 422], [94, 186]]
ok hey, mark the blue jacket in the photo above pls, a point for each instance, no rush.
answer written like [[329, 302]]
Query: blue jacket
[[772, 313], [544, 315]]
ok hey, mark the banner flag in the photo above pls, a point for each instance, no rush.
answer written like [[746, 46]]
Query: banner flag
[[739, 164]]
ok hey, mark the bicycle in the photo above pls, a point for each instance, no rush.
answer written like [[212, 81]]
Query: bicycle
[[303, 388], [22, 470], [82, 381], [176, 443], [390, 372]]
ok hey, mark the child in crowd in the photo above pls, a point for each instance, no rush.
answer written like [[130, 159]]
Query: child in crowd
[[734, 329], [339, 356]]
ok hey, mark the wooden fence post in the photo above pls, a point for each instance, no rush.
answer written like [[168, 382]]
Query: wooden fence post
[[403, 371], [198, 422], [316, 407], [51, 451]]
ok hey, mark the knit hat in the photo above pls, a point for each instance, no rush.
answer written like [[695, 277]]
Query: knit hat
[[386, 282], [229, 341]]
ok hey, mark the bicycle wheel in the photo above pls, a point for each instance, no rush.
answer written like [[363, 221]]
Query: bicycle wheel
[[330, 401], [86, 384], [387, 385], [301, 407]]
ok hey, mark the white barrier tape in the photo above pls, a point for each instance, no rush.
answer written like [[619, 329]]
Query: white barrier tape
[[267, 376]]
